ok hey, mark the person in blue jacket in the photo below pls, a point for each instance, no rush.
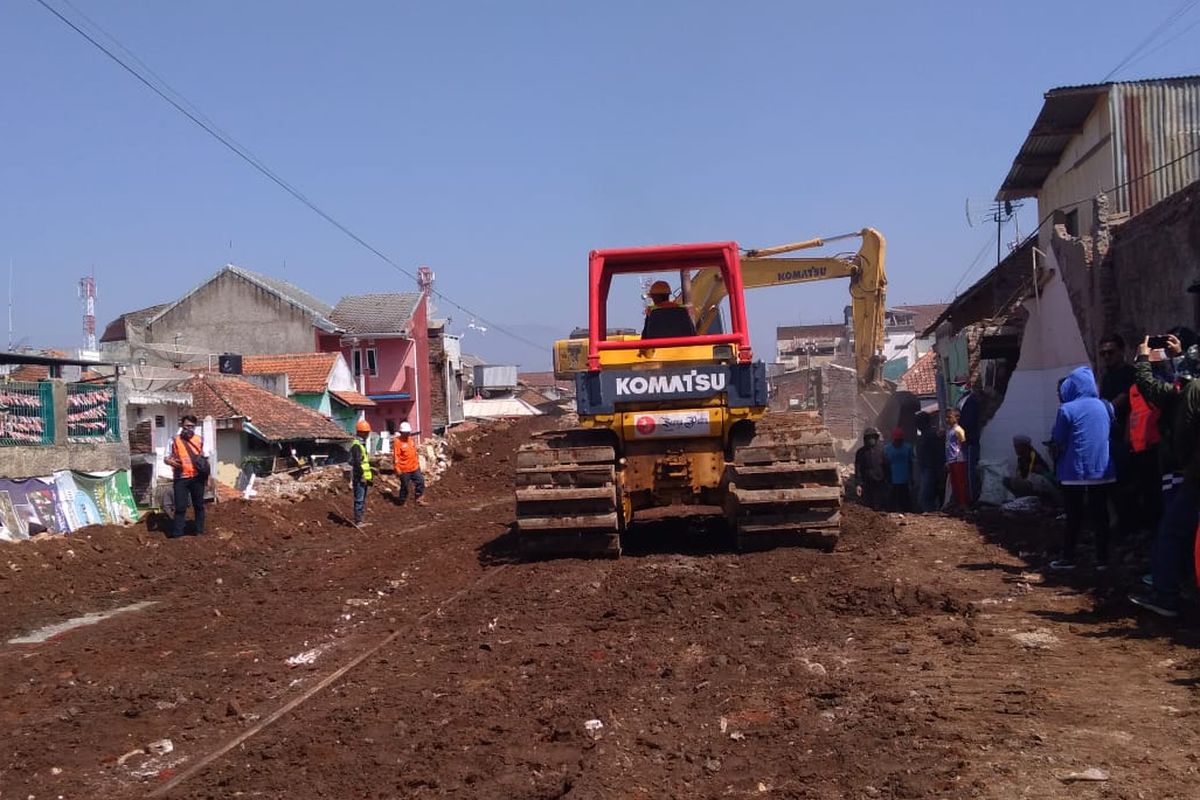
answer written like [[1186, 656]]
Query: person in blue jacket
[[1083, 464]]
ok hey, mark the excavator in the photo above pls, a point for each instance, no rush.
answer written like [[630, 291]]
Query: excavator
[[679, 417]]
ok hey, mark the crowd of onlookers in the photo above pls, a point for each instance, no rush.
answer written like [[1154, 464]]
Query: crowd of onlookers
[[1124, 449]]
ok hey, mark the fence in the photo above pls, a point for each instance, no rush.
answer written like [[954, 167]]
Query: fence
[[26, 413], [92, 413]]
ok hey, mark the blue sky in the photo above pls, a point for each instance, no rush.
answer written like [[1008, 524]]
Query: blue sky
[[500, 142]]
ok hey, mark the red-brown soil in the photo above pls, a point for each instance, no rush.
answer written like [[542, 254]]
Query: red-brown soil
[[926, 657]]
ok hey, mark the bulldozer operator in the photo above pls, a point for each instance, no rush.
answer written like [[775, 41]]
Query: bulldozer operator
[[666, 318]]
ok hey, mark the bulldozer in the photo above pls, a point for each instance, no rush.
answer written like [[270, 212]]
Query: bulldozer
[[678, 416]]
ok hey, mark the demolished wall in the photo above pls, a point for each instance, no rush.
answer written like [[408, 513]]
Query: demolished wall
[[1133, 278]]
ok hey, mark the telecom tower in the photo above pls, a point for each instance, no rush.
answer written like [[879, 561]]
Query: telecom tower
[[87, 295], [425, 284]]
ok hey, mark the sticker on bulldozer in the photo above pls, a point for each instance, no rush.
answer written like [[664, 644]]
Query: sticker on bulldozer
[[671, 423]]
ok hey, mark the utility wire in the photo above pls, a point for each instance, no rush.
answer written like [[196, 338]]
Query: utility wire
[[190, 111], [988, 242], [1173, 17], [1176, 37]]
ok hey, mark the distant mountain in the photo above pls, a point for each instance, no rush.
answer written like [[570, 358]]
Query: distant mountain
[[496, 347]]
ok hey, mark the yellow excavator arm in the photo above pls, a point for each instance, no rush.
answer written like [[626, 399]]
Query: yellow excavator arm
[[760, 268]]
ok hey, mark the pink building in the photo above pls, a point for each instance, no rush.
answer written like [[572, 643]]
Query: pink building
[[384, 338]]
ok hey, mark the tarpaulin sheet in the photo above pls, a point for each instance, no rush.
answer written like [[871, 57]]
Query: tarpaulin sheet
[[64, 502], [29, 506]]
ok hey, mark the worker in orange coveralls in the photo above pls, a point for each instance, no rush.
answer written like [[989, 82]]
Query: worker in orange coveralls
[[408, 466]]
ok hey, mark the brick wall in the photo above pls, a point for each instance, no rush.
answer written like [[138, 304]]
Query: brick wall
[[1133, 278], [437, 385]]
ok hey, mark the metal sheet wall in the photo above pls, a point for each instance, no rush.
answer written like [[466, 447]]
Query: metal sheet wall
[[1156, 137]]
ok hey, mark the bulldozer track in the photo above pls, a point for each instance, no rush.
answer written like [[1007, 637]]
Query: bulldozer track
[[567, 496], [783, 487]]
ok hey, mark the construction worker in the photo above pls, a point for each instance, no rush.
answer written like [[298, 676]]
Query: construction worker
[[362, 475], [408, 465], [666, 318], [186, 457]]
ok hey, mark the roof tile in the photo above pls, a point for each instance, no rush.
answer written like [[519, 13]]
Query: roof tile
[[375, 313], [353, 399], [276, 418], [921, 377], [307, 372]]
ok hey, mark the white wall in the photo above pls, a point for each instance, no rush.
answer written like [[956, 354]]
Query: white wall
[[1050, 348], [341, 379], [1081, 174]]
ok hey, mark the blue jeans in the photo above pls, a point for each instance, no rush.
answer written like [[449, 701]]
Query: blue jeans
[[931, 478], [1173, 542], [360, 500], [417, 479]]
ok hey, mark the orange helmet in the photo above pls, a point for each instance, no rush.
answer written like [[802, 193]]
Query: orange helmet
[[363, 426], [660, 287]]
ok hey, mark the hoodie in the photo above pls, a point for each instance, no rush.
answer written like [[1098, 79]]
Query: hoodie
[[1081, 431]]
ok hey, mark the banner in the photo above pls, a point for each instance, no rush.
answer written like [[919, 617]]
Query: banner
[[34, 502], [110, 496], [65, 502]]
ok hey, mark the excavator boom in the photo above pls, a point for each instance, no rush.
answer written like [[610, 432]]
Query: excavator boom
[[764, 267]]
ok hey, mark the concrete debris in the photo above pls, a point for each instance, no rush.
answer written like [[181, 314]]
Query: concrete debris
[[1093, 774], [434, 453]]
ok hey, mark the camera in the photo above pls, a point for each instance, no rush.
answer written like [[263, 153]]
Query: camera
[[1157, 342]]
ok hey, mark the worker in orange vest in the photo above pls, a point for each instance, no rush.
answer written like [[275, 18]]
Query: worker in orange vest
[[407, 465], [186, 457]]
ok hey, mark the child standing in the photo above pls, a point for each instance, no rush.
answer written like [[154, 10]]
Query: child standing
[[956, 462]]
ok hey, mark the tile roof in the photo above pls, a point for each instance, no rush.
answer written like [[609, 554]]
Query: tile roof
[[921, 377], [283, 290], [376, 313], [353, 399], [824, 331], [543, 380], [923, 313], [36, 372], [272, 418], [307, 372], [117, 330]]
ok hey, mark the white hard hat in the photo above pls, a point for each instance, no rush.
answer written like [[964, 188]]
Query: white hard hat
[[405, 427]]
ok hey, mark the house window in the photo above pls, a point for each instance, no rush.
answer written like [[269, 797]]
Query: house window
[[160, 421], [1072, 222], [356, 357], [371, 366]]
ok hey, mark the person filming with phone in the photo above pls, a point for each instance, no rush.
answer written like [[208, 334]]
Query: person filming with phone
[[1178, 401]]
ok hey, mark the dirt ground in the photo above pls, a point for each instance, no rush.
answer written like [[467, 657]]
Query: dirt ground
[[289, 655]]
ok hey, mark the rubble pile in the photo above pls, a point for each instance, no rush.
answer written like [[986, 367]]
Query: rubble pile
[[286, 486]]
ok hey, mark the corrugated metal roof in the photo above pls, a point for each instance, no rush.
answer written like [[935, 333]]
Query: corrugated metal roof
[[1066, 108], [376, 313]]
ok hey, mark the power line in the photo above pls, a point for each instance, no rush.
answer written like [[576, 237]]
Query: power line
[[1173, 17], [987, 244], [189, 110], [1178, 35]]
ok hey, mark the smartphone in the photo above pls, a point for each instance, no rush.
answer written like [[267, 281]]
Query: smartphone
[[1157, 342]]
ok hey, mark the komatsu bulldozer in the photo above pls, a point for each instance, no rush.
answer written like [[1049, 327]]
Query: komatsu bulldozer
[[678, 416]]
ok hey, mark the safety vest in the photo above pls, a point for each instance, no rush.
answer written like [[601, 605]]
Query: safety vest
[[184, 451], [1143, 422], [404, 455], [363, 460]]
